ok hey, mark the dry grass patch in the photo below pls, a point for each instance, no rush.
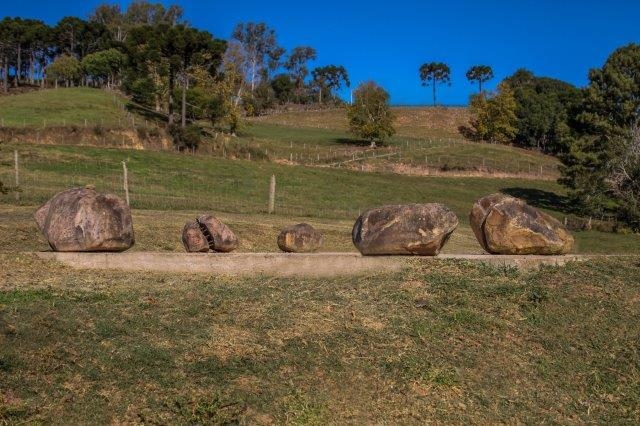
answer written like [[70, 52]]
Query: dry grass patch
[[415, 122], [444, 342]]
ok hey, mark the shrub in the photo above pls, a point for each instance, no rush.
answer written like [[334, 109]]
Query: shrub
[[370, 116], [186, 137]]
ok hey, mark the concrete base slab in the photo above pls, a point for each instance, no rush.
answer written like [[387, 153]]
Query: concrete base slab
[[279, 264]]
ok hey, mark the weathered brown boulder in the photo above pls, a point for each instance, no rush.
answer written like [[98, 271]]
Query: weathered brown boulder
[[300, 238], [80, 219], [208, 233], [507, 225], [409, 229]]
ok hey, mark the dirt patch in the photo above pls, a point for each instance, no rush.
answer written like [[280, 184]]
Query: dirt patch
[[98, 136]]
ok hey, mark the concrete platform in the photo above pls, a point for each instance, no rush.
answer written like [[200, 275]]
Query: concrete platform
[[279, 264]]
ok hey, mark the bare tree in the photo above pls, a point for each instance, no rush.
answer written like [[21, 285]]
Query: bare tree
[[259, 44]]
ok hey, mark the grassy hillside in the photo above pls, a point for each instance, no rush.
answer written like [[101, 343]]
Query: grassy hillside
[[57, 107], [446, 343], [427, 140], [415, 122], [312, 146]]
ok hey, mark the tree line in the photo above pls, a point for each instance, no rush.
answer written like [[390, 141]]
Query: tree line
[[151, 53]]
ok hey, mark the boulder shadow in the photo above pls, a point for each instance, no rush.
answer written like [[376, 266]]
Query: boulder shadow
[[540, 198]]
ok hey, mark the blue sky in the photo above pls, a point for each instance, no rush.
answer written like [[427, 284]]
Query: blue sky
[[386, 41]]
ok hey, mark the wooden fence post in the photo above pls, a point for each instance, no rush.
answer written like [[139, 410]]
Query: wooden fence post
[[125, 181], [16, 167], [272, 194]]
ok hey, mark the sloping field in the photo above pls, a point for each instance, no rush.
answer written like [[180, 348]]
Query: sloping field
[[61, 107], [427, 142], [414, 122], [403, 155]]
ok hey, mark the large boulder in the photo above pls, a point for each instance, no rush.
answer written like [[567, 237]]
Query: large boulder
[[208, 233], [300, 238], [409, 229], [507, 225], [81, 219]]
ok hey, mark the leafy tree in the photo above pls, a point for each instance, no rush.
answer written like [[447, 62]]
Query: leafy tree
[[259, 46], [283, 88], [39, 48], [545, 108], [186, 47], [104, 66], [433, 73], [495, 117], [603, 162], [328, 79], [170, 52], [261, 100], [141, 12], [25, 49], [481, 74], [370, 116], [112, 18], [296, 64], [219, 103], [146, 77], [68, 32], [7, 48], [66, 68]]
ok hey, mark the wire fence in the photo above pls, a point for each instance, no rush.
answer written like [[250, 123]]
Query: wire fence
[[37, 178], [434, 156], [39, 174]]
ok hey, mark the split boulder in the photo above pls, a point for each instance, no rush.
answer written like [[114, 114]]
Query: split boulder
[[300, 238], [408, 229], [81, 219], [507, 225], [208, 233]]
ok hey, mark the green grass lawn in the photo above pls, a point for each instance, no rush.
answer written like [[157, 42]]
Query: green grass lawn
[[58, 107], [163, 180], [446, 343]]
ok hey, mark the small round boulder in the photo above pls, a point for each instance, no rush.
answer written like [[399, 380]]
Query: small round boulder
[[407, 229], [507, 225], [300, 238]]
